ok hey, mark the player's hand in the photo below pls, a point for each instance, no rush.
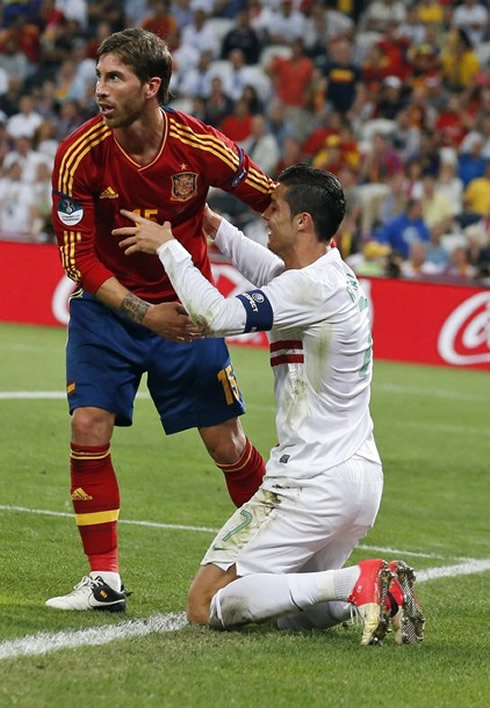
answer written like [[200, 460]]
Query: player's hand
[[145, 236], [170, 320], [211, 222]]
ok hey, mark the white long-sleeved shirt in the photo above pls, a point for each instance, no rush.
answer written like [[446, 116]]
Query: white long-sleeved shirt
[[321, 346]]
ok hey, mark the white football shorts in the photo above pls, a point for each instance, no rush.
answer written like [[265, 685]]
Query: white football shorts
[[301, 525]]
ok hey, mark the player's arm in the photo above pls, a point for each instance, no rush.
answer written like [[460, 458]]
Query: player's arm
[[280, 302], [73, 216], [256, 263], [217, 315], [230, 168]]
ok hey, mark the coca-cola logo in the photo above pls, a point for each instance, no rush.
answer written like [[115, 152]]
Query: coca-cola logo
[[61, 297], [464, 338]]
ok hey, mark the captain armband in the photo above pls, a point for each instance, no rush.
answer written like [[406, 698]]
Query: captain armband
[[259, 311]]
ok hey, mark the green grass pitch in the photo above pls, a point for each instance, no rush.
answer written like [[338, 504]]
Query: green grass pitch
[[433, 431]]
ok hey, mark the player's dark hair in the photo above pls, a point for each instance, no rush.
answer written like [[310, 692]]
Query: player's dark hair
[[145, 52], [317, 192]]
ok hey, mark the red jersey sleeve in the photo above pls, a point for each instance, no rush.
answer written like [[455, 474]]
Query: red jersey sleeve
[[225, 164], [74, 183]]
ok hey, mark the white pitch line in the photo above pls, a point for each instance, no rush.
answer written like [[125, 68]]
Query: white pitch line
[[45, 395], [207, 529], [389, 388], [44, 643], [151, 524], [472, 566]]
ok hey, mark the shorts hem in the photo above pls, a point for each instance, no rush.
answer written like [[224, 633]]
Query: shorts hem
[[180, 425]]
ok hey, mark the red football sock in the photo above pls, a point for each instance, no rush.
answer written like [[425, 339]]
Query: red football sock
[[243, 478], [95, 497]]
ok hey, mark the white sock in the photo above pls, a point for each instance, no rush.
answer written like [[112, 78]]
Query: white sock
[[253, 598], [321, 616], [112, 579], [263, 596], [308, 589]]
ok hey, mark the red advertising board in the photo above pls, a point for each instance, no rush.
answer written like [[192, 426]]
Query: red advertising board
[[412, 321]]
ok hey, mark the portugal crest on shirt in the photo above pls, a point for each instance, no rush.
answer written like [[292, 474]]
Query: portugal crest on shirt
[[184, 186]]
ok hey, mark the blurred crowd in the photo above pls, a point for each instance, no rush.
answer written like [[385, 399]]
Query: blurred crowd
[[393, 96]]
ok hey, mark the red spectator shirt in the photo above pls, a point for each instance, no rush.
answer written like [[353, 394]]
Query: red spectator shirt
[[94, 178]]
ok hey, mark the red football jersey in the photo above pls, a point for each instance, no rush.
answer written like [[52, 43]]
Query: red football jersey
[[94, 178]]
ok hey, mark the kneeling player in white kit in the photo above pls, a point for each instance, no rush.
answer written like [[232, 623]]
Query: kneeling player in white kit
[[281, 554]]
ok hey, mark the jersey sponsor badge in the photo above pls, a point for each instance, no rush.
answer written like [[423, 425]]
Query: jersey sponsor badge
[[70, 213], [184, 186]]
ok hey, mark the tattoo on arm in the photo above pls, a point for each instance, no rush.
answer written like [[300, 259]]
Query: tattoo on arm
[[134, 308]]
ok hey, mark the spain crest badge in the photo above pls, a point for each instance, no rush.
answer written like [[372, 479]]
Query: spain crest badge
[[184, 186]]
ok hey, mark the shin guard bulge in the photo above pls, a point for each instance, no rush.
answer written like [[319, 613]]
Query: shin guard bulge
[[95, 497]]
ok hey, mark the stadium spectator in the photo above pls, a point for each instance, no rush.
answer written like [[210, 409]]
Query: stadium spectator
[[282, 24], [452, 123], [436, 253], [70, 117], [381, 161], [460, 63], [436, 207], [217, 105], [323, 25], [381, 13], [459, 266], [292, 77], [429, 12], [292, 154], [262, 146], [277, 123], [391, 100], [392, 203], [45, 140], [26, 121], [238, 126], [477, 194], [197, 80], [42, 225], [160, 21], [413, 27], [342, 76], [163, 162], [416, 265], [472, 16], [26, 157], [480, 132], [471, 164], [16, 203], [236, 74], [12, 60], [450, 185], [242, 36], [199, 34], [404, 229]]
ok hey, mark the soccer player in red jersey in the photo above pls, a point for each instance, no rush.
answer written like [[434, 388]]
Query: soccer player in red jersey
[[125, 319]]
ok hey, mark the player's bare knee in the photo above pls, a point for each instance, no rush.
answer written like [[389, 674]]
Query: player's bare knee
[[91, 426], [197, 608], [225, 442]]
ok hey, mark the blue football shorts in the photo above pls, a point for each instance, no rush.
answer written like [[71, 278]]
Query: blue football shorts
[[192, 384]]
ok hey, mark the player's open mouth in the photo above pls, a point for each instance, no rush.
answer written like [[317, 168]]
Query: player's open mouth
[[106, 110]]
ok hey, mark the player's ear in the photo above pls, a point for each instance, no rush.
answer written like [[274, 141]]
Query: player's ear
[[152, 86], [304, 220]]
